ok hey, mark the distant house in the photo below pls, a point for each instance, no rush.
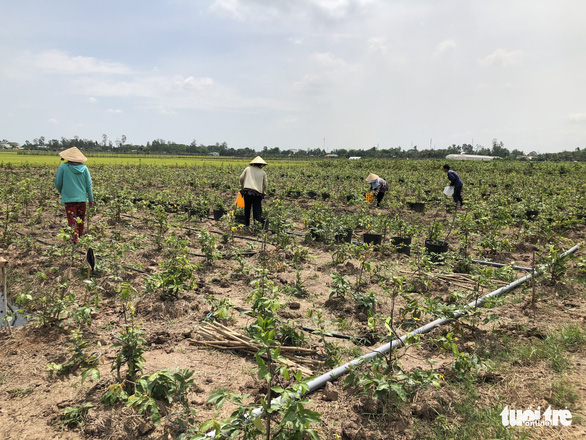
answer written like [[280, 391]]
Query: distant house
[[463, 156], [354, 158], [213, 153], [331, 155], [293, 151]]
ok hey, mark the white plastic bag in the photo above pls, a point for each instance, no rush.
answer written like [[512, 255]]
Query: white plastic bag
[[449, 190]]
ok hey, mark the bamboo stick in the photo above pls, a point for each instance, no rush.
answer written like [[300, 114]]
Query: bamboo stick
[[208, 334]]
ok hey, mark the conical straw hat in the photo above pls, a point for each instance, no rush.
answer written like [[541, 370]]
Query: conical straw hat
[[371, 177], [73, 155], [257, 161]]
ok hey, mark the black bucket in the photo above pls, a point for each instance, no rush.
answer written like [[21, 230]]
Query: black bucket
[[218, 214], [344, 237], [532, 214], [436, 249], [417, 206], [403, 244], [375, 239], [316, 236]]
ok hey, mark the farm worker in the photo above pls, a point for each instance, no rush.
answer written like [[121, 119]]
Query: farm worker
[[253, 182], [378, 186], [74, 183], [456, 183]]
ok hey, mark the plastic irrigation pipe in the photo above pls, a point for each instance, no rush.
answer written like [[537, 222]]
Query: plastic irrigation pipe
[[228, 256], [213, 232], [37, 239], [60, 246], [331, 375], [491, 263], [363, 341]]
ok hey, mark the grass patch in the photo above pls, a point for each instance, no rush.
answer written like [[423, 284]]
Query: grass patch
[[469, 420], [19, 392], [553, 348], [564, 394]]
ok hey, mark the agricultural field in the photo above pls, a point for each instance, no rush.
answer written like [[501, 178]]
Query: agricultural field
[[189, 324], [34, 158]]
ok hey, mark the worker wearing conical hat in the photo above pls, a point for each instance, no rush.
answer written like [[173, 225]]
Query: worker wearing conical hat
[[378, 186], [253, 182], [74, 183]]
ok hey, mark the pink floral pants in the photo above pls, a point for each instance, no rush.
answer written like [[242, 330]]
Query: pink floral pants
[[74, 212]]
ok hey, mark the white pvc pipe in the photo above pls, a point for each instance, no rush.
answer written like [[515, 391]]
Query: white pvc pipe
[[492, 263]]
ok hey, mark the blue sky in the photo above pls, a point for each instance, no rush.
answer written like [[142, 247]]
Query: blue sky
[[297, 73]]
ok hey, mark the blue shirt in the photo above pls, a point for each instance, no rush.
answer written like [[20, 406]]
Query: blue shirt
[[455, 180], [74, 183]]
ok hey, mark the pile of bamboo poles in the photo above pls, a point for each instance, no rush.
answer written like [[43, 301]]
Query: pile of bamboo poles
[[460, 280], [216, 335], [463, 280]]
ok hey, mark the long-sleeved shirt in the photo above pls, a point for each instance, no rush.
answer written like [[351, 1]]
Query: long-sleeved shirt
[[379, 185], [74, 183], [455, 180], [254, 178]]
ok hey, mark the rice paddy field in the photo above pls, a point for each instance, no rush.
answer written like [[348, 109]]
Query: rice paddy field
[[12, 158], [182, 323]]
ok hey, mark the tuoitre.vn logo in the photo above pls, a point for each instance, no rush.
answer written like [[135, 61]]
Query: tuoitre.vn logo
[[530, 417]]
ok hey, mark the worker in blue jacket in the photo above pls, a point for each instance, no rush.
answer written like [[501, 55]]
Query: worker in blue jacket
[[456, 183], [74, 183]]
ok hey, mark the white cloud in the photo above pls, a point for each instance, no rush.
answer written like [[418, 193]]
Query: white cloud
[[377, 44], [166, 94], [61, 63], [264, 10], [328, 71], [501, 57], [337, 9], [443, 47], [230, 7], [112, 110], [329, 60], [53, 121], [577, 117], [294, 40], [142, 86], [191, 83]]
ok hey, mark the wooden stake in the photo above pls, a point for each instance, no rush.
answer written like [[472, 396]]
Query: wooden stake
[[3, 263]]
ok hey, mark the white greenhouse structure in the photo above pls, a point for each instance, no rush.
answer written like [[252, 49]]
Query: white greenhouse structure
[[470, 157]]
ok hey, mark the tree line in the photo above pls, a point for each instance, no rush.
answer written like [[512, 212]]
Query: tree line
[[160, 147]]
